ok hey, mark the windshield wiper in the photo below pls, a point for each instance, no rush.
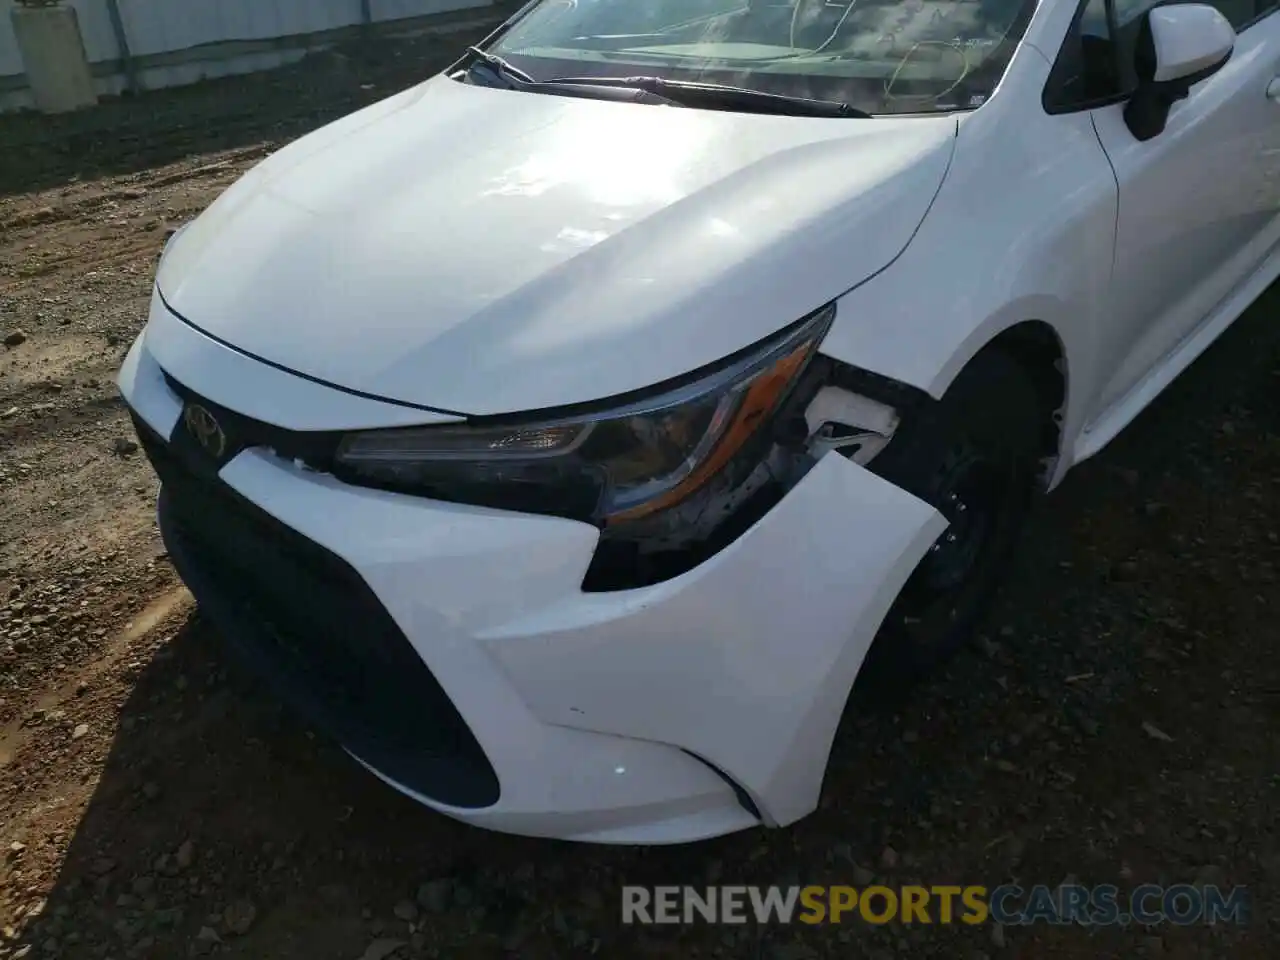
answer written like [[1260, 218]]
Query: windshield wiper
[[513, 78], [503, 69], [684, 93], [692, 94]]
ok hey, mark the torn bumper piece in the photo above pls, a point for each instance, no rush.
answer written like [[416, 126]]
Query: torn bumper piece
[[658, 715]]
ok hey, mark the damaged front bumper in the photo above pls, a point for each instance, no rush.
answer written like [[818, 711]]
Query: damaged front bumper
[[694, 707]]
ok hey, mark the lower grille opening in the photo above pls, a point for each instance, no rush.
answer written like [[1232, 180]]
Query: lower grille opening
[[306, 619]]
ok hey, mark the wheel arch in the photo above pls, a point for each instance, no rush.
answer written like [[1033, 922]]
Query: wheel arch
[[1040, 351], [931, 366]]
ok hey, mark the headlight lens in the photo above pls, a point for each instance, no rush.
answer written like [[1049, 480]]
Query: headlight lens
[[605, 467]]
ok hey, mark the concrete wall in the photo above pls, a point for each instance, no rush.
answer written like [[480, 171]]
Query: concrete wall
[[184, 41]]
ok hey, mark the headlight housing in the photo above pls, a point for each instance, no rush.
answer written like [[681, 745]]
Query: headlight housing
[[625, 461]]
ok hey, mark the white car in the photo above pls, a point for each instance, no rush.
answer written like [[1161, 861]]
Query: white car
[[560, 433]]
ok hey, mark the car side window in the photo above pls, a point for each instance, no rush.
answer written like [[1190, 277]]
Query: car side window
[[1242, 13], [1086, 72], [1096, 63]]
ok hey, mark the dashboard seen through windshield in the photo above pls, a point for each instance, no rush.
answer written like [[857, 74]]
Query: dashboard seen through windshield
[[881, 56]]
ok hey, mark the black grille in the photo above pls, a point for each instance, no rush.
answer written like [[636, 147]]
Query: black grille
[[315, 448], [306, 619]]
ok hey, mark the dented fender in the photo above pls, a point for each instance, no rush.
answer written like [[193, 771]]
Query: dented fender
[[785, 617]]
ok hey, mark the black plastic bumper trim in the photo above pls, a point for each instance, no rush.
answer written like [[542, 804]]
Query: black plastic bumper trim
[[306, 621], [744, 798]]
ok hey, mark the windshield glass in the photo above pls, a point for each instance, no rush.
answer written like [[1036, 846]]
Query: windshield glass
[[881, 56]]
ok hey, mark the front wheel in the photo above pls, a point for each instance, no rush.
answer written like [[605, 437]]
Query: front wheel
[[975, 456]]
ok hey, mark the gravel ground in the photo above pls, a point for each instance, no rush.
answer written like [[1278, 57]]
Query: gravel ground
[[1115, 722]]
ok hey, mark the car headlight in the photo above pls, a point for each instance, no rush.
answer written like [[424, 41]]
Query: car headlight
[[608, 466]]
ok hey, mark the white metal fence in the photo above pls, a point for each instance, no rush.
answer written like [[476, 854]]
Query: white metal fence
[[169, 42]]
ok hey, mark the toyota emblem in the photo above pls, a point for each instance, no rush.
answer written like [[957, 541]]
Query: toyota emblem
[[204, 426]]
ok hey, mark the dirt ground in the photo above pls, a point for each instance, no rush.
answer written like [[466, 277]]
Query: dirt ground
[[1116, 722]]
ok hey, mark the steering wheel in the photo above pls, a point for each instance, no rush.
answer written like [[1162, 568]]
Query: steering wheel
[[804, 9], [564, 6], [946, 45], [553, 11]]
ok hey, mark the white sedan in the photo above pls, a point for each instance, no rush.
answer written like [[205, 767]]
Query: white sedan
[[561, 432]]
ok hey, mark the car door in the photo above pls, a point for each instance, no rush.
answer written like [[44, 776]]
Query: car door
[[1198, 204]]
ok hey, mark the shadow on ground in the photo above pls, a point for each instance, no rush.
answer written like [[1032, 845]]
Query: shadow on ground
[[1144, 599], [133, 134]]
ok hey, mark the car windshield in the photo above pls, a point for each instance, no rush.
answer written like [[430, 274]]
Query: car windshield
[[879, 56]]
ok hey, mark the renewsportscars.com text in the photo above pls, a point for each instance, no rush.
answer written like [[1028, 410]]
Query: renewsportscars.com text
[[1010, 905]]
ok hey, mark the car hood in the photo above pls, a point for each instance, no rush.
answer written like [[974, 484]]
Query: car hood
[[487, 251]]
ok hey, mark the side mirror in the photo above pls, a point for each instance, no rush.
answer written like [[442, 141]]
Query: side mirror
[[1178, 45]]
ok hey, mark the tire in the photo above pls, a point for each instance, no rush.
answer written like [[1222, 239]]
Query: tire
[[976, 457]]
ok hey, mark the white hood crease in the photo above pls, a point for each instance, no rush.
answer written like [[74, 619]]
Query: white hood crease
[[490, 251]]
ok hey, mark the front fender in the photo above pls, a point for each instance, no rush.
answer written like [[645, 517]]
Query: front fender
[[1022, 229], [785, 616]]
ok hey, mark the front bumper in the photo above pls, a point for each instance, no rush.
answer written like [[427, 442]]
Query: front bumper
[[452, 650]]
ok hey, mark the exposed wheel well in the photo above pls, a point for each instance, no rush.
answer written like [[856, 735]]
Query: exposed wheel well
[[1037, 348]]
